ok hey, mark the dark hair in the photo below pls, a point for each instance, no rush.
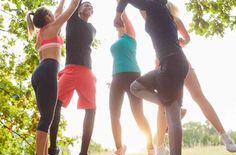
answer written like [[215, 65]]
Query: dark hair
[[85, 2], [39, 17]]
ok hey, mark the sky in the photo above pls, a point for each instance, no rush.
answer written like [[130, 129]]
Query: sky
[[213, 60]]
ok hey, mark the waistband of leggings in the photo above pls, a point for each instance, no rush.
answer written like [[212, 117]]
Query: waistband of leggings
[[49, 60]]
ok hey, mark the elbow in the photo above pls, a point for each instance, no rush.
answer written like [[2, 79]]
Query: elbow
[[187, 40]]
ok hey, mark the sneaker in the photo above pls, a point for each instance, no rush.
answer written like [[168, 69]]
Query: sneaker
[[162, 150], [228, 142], [54, 151], [121, 150], [151, 152]]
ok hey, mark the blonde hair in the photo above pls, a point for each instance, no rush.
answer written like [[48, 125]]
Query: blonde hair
[[30, 24], [174, 11]]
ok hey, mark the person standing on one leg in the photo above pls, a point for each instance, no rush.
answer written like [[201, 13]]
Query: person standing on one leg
[[192, 84], [165, 85], [44, 78], [125, 71], [77, 74]]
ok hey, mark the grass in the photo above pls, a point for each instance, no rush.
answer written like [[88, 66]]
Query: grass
[[210, 150]]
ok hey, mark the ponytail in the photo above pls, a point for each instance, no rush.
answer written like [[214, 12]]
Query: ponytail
[[30, 24], [174, 11]]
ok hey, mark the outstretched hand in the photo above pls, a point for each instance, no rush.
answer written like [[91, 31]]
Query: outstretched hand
[[118, 21]]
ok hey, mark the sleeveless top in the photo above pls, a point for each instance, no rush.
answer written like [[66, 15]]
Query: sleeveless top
[[56, 41], [124, 55]]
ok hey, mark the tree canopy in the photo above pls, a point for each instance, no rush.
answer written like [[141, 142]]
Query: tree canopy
[[18, 59], [212, 17]]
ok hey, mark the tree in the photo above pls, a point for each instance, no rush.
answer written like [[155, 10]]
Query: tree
[[195, 134], [18, 59], [212, 17]]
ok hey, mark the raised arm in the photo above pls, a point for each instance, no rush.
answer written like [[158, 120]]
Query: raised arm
[[59, 9], [66, 14], [140, 4], [75, 15], [129, 29], [184, 40]]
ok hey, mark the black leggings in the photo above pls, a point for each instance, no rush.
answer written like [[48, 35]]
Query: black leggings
[[88, 125], [44, 82]]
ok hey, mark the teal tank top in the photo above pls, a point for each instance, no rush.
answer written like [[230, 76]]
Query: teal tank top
[[124, 55]]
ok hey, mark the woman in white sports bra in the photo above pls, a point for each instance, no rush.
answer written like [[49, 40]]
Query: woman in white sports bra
[[44, 78]]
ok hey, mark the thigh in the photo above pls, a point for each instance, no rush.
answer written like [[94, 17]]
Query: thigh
[[116, 96], [86, 88], [66, 86], [149, 80], [46, 94]]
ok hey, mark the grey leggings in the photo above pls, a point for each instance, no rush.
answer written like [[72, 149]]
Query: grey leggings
[[165, 86]]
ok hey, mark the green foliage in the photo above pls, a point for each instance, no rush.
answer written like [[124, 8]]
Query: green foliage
[[197, 134], [96, 43], [212, 17], [18, 58], [233, 135], [96, 148]]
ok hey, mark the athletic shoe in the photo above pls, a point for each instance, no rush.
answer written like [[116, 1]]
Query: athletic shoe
[[121, 150], [54, 151], [228, 142], [162, 150]]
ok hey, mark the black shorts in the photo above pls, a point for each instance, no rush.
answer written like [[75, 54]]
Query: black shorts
[[168, 81]]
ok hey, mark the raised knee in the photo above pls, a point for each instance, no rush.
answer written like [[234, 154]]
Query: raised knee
[[134, 87]]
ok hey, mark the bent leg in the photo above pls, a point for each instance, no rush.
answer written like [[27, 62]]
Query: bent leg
[[137, 110], [161, 126], [141, 91]]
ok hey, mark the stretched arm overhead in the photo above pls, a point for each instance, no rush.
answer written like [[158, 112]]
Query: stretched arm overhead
[[66, 14], [129, 29], [184, 40], [140, 4], [59, 9], [75, 15]]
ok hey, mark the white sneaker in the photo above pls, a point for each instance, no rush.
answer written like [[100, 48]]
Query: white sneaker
[[228, 142], [121, 150], [162, 150]]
